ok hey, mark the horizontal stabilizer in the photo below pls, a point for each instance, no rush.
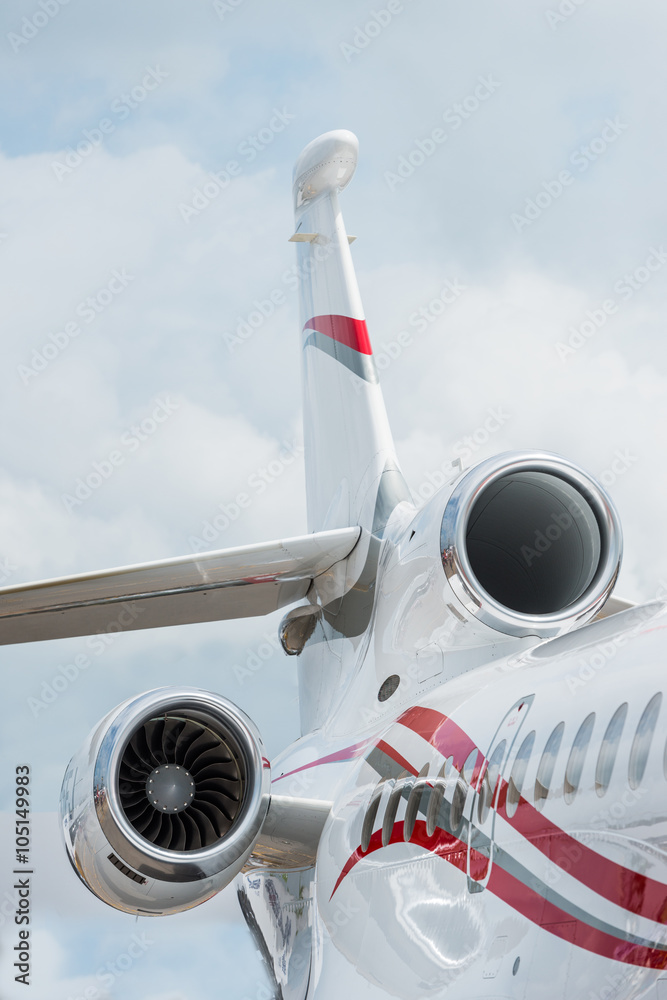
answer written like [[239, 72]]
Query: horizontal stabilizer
[[312, 238], [209, 586]]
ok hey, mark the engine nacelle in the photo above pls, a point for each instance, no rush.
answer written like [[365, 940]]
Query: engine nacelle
[[163, 805], [520, 547], [530, 544]]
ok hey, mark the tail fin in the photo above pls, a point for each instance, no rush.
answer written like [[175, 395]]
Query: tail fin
[[352, 476]]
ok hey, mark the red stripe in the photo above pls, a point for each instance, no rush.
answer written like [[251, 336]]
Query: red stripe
[[395, 755], [562, 924], [519, 896], [637, 893], [441, 732], [349, 753], [441, 843], [634, 892], [344, 329]]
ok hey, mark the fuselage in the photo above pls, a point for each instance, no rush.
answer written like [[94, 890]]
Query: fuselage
[[476, 807], [510, 823]]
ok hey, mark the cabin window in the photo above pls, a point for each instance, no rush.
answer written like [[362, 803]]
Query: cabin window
[[642, 741], [437, 796], [609, 749], [490, 780], [518, 775], [469, 765], [575, 762], [547, 763], [461, 787], [458, 802]]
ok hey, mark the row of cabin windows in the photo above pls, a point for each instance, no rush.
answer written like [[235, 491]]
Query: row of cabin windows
[[639, 752]]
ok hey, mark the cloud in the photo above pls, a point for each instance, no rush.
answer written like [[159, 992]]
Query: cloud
[[197, 277]]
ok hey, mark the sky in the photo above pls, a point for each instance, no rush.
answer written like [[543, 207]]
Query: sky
[[510, 212]]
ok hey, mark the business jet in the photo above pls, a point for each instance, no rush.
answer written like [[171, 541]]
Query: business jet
[[477, 805]]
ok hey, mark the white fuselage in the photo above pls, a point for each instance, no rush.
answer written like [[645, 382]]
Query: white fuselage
[[559, 899]]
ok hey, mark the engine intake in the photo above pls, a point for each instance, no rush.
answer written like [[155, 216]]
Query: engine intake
[[530, 543], [164, 804]]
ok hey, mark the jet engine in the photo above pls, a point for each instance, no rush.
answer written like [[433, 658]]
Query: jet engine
[[164, 803], [524, 545], [530, 544]]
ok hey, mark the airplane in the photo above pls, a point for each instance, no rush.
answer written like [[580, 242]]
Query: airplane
[[476, 807]]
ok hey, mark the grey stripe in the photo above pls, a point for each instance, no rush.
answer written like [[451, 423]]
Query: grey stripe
[[362, 365], [513, 867], [388, 768]]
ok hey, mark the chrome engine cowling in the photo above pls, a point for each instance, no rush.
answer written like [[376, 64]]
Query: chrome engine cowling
[[530, 543], [521, 547], [163, 805]]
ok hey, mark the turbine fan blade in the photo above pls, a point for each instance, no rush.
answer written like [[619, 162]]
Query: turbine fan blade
[[207, 741], [186, 738], [206, 828], [154, 731]]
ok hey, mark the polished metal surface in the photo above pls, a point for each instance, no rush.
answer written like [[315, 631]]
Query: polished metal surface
[[291, 832], [209, 586], [170, 788], [211, 710], [457, 563], [118, 864]]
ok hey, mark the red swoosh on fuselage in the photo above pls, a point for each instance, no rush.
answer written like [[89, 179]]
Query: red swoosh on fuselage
[[521, 897], [396, 756], [348, 753], [637, 893], [628, 889]]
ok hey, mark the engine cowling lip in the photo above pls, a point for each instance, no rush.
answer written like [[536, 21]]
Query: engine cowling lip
[[456, 563], [139, 853]]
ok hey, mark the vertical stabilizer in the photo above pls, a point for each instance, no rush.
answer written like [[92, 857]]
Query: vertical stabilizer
[[352, 476]]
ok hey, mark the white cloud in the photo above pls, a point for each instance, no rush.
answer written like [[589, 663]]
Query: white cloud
[[193, 282]]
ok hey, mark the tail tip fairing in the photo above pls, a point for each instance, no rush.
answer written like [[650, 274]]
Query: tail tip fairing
[[326, 164]]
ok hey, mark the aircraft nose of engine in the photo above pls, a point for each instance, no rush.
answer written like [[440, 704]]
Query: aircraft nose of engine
[[326, 164]]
